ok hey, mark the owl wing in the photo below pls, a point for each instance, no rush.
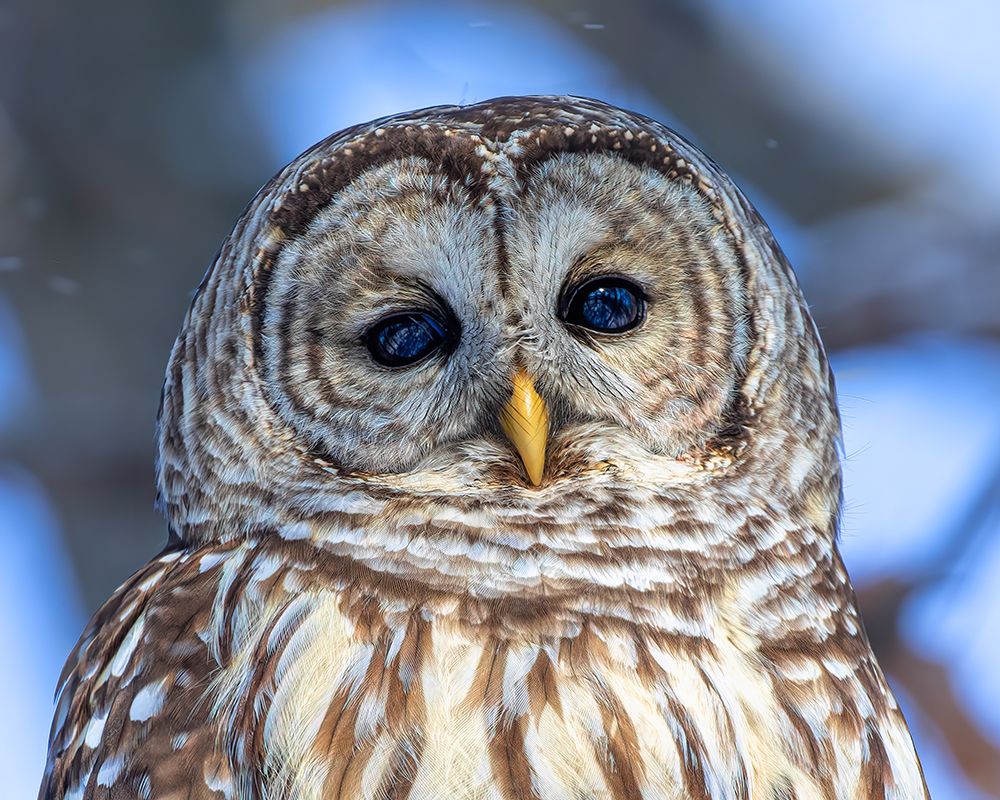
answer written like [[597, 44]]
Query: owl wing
[[130, 718]]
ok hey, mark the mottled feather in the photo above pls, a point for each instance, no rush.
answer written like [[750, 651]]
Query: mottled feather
[[368, 599]]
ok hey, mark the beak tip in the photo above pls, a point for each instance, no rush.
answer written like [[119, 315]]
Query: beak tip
[[535, 473]]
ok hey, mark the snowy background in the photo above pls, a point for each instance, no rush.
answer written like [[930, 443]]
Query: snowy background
[[131, 135]]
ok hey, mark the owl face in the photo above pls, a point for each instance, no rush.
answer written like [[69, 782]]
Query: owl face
[[394, 325], [506, 307]]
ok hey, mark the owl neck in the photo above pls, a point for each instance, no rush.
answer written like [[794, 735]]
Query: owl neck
[[674, 559]]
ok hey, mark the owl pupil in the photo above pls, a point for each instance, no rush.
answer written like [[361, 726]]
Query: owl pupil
[[404, 339], [606, 305]]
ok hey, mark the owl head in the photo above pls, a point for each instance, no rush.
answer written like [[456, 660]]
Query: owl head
[[464, 316]]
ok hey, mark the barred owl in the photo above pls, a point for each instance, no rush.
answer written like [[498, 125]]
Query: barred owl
[[500, 459]]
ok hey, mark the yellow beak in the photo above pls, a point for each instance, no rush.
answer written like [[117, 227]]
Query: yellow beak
[[525, 420]]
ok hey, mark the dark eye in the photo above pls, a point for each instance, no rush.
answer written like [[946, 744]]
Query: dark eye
[[605, 305], [404, 339]]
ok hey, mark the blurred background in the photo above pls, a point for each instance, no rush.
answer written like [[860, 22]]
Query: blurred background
[[132, 133]]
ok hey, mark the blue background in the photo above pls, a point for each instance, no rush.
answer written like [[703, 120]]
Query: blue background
[[132, 133]]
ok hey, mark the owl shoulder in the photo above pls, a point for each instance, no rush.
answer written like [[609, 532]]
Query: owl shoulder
[[130, 721]]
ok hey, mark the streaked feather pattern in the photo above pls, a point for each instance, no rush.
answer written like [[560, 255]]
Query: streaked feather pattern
[[366, 600]]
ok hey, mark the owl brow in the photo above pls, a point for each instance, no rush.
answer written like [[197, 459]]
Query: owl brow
[[334, 164]]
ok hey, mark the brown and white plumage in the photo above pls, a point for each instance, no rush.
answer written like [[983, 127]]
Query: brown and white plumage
[[366, 598]]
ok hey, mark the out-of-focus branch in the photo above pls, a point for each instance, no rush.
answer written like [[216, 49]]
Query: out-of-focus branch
[[916, 263]]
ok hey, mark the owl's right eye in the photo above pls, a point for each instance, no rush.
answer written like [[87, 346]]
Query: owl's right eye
[[403, 339]]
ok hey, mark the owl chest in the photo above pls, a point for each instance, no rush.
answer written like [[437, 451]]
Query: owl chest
[[425, 710]]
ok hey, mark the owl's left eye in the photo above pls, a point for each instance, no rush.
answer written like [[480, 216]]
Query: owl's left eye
[[604, 305], [403, 339]]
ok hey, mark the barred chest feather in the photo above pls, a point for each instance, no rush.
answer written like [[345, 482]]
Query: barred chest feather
[[427, 705], [245, 671], [376, 699]]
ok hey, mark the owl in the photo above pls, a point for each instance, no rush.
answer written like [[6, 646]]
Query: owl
[[500, 459]]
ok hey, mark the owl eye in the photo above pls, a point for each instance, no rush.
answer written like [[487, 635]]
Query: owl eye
[[403, 339], [605, 305]]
